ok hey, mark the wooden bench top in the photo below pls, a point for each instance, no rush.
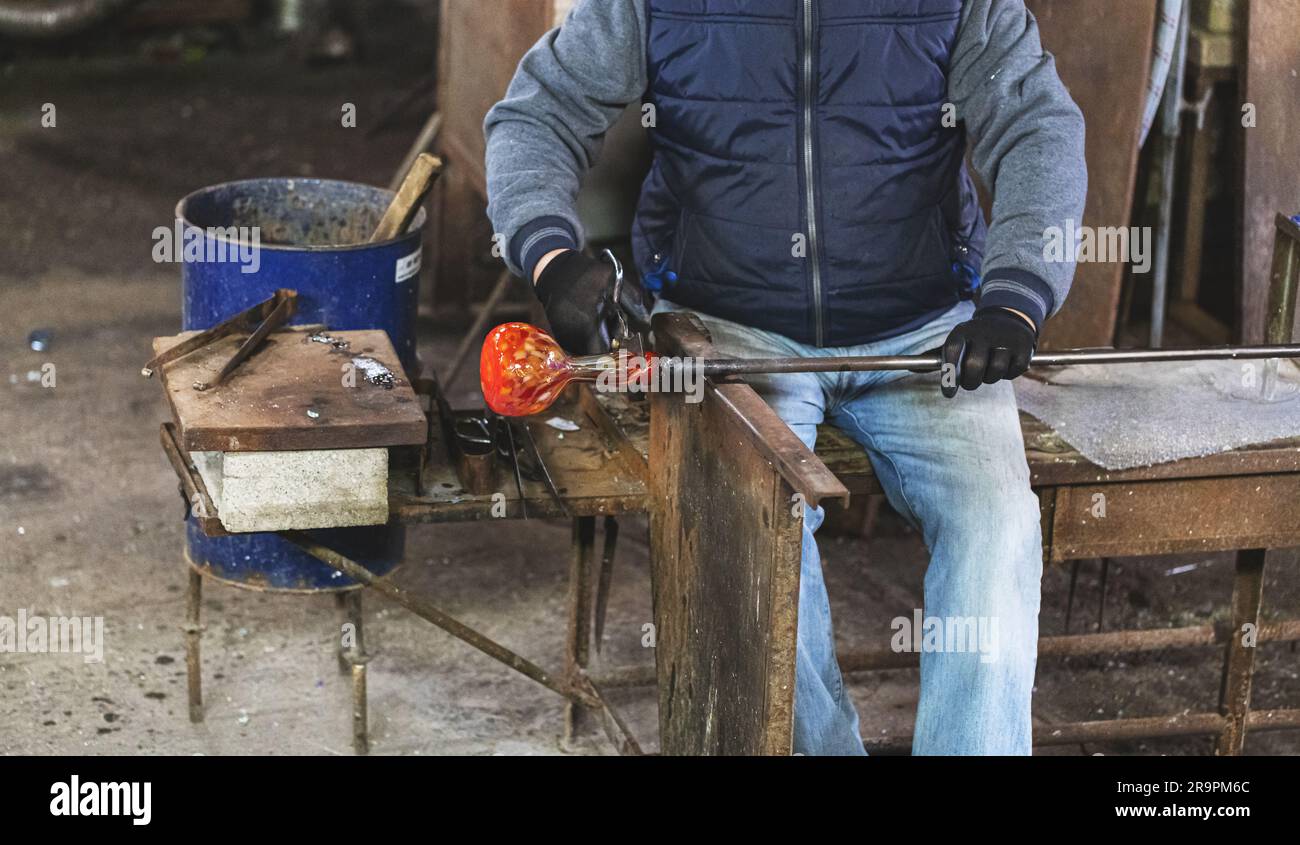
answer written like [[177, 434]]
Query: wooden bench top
[[1052, 461]]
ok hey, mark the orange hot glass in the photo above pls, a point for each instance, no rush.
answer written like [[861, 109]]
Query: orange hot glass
[[522, 370]]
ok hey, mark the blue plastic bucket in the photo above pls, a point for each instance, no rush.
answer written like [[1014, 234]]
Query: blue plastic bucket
[[311, 237]]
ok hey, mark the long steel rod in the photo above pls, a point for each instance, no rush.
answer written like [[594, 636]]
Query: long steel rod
[[722, 367], [426, 611]]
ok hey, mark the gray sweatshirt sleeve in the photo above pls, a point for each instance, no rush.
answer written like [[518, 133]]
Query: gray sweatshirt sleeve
[[1027, 139], [544, 136]]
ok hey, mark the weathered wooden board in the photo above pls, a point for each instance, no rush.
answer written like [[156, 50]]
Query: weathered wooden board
[[727, 487], [1103, 53], [1271, 160], [1053, 462], [1171, 517], [726, 586], [479, 46], [263, 405]]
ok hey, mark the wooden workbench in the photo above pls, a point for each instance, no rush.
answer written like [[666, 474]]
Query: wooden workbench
[[727, 484]]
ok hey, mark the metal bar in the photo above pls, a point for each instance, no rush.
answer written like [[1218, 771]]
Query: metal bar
[[1282, 294], [1085, 645], [514, 460], [1071, 645], [193, 632], [475, 334], [625, 677], [1072, 733], [1113, 730], [542, 468], [199, 503], [238, 322], [353, 660], [1069, 601], [434, 616], [723, 367], [1171, 120], [1239, 659], [577, 647], [1273, 720], [605, 577], [286, 305], [360, 732], [616, 730], [1101, 598]]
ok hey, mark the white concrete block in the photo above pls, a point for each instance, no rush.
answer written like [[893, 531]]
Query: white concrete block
[[281, 491]]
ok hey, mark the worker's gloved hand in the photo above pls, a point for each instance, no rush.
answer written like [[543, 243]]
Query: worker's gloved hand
[[574, 289], [995, 344]]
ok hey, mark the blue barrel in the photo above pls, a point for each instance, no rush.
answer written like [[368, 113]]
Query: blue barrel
[[311, 236]]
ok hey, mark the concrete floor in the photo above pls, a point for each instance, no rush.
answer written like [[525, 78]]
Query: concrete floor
[[90, 522]]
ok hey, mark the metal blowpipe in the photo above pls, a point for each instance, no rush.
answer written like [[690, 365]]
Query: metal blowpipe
[[721, 367], [523, 370]]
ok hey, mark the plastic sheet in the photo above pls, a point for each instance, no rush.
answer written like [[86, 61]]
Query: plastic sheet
[[1134, 415]]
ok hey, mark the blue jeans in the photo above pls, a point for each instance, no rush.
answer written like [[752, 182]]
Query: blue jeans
[[956, 470]]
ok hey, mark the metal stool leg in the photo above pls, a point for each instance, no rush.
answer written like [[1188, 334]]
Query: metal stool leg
[[1239, 659], [193, 631], [353, 659], [360, 730], [578, 646]]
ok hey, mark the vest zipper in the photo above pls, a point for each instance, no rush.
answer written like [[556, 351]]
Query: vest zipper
[[809, 164]]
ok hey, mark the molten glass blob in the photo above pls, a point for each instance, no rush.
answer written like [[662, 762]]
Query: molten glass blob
[[523, 370]]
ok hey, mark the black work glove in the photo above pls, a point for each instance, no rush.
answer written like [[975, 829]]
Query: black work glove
[[995, 344], [575, 291]]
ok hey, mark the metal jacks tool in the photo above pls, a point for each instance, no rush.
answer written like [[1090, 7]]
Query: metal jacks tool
[[261, 319]]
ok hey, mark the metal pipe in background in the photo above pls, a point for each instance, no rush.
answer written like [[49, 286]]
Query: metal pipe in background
[[23, 20], [1162, 55], [1171, 116]]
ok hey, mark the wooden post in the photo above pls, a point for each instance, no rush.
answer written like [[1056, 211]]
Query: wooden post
[[729, 481], [1239, 659]]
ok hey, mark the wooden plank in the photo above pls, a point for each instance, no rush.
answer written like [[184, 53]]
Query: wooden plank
[[728, 484], [1053, 462], [1270, 168], [682, 334], [1239, 662], [263, 405], [1103, 53], [480, 45], [1169, 517], [725, 546]]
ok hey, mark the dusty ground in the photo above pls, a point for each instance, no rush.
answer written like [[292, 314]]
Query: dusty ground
[[90, 523]]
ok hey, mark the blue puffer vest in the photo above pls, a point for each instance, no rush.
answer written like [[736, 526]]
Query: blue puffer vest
[[803, 180]]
